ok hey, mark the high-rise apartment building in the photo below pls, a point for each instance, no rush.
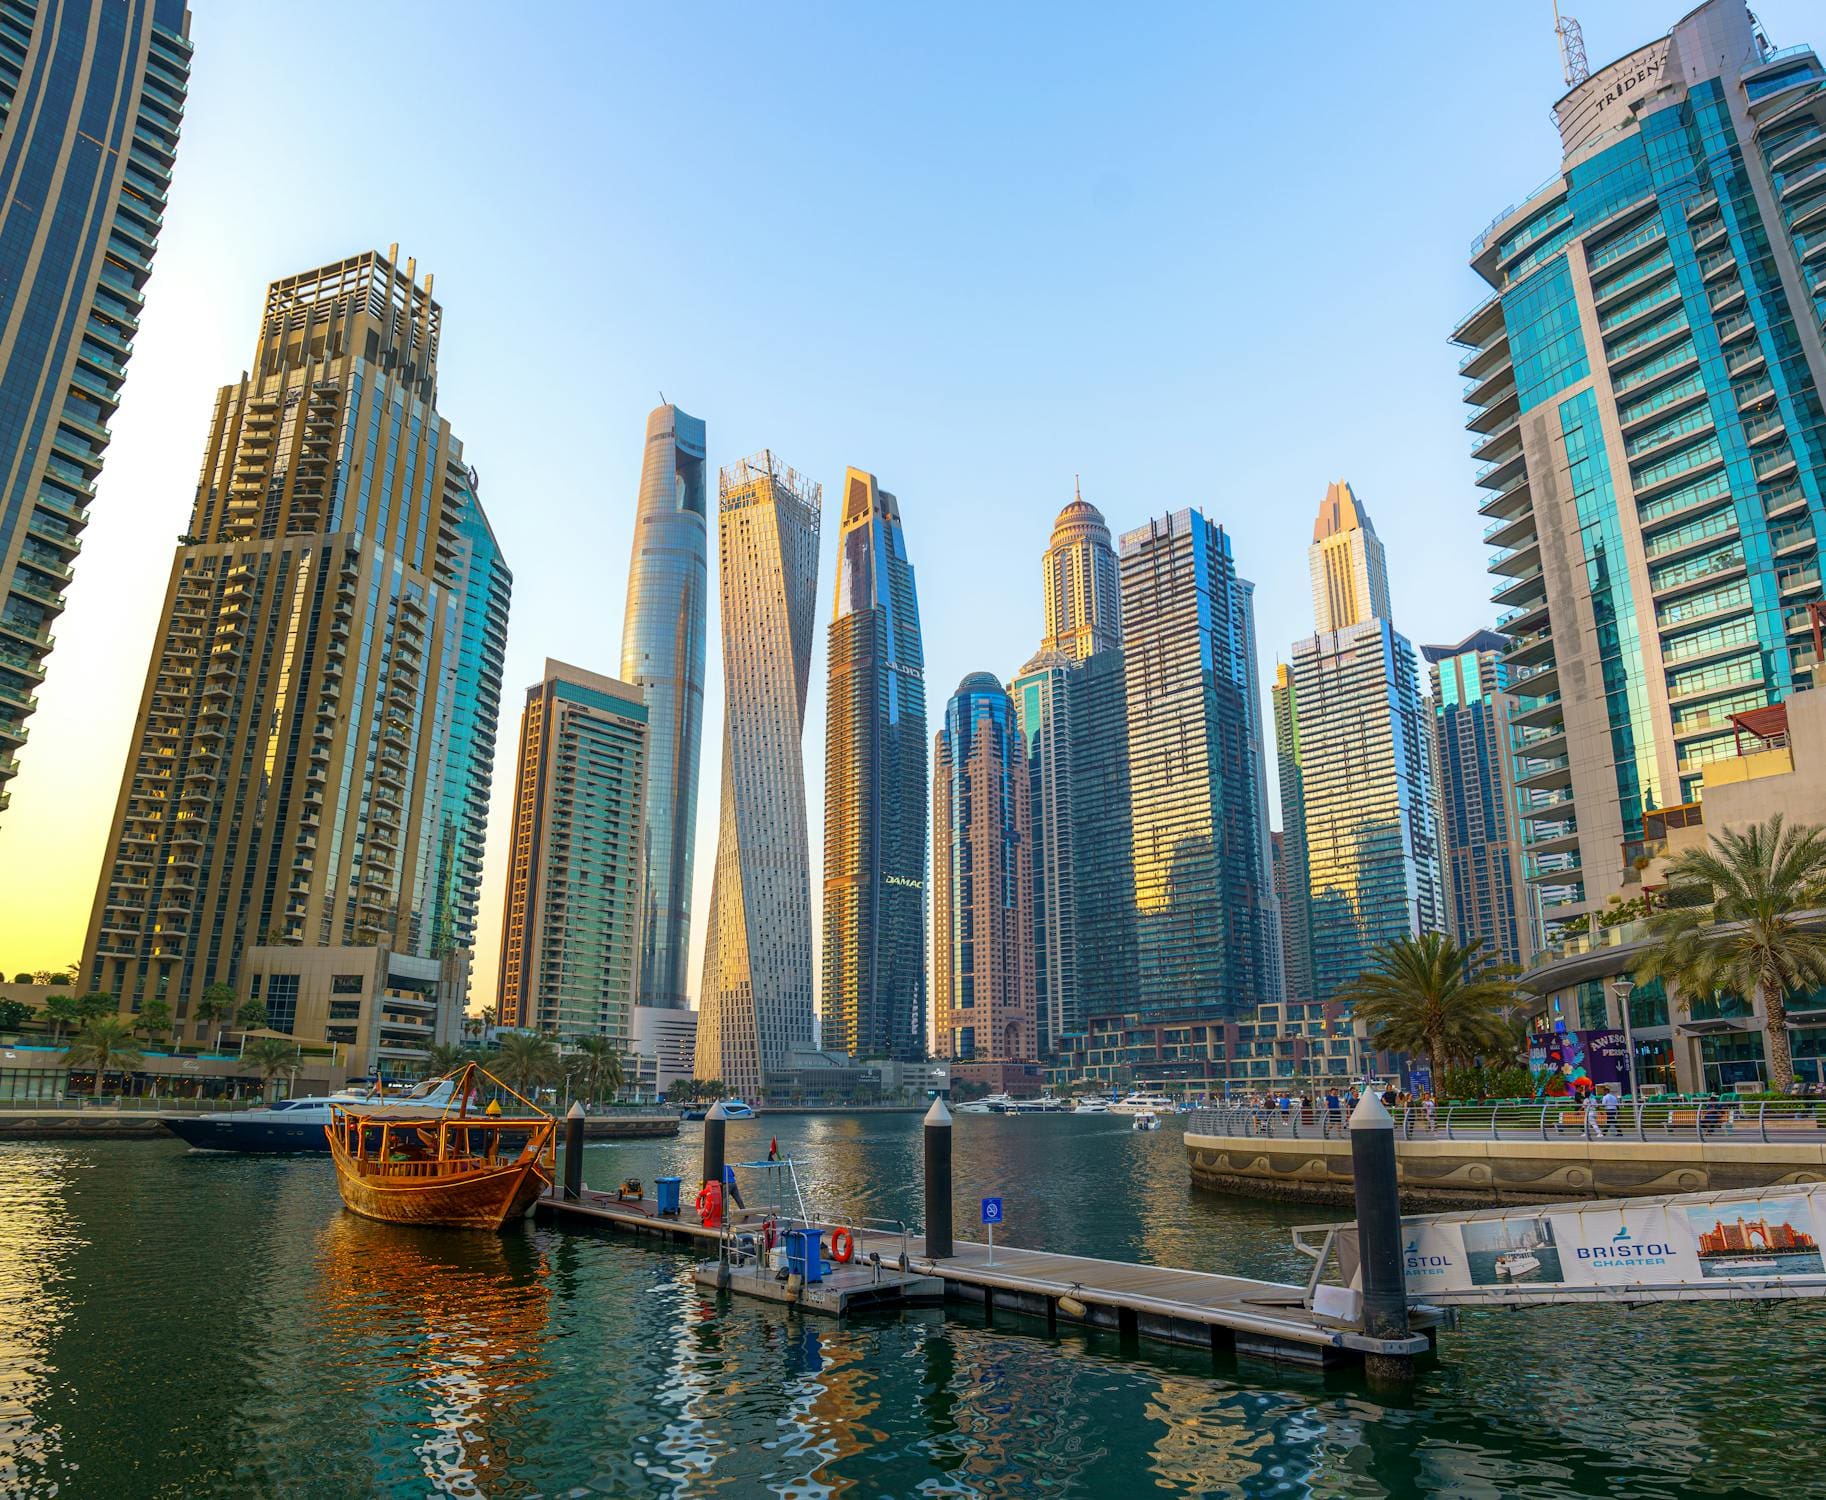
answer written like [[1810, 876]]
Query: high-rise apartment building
[[1083, 583], [569, 938], [874, 789], [755, 1004], [982, 881], [1480, 857], [91, 98], [1291, 885], [1069, 703], [1646, 381], [487, 592], [662, 653], [291, 769], [1203, 897], [1350, 576]]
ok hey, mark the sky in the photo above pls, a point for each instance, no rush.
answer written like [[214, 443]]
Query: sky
[[1199, 255]]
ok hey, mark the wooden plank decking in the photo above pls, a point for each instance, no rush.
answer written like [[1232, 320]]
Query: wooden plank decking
[[1195, 1308]]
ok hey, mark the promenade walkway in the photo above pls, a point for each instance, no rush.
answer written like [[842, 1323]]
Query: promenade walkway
[[1797, 1121]]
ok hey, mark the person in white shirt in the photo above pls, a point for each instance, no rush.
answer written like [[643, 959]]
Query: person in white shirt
[[1612, 1103], [1591, 1117]]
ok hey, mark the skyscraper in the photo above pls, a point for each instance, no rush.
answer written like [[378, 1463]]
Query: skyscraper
[[486, 592], [1083, 584], [1069, 703], [1202, 892], [291, 762], [982, 881], [1646, 382], [568, 939], [91, 98], [874, 789], [1356, 771], [1291, 884], [1480, 857], [1350, 576], [662, 653], [755, 1002]]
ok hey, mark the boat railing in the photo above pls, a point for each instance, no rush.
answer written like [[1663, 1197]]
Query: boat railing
[[1773, 1121], [747, 1243]]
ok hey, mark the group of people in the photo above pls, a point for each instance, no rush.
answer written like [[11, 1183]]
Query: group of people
[[1333, 1110]]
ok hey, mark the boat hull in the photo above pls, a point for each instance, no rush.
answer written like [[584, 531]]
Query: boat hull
[[486, 1198], [274, 1136]]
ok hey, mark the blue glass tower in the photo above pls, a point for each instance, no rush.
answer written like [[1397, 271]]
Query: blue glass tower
[[91, 97], [1645, 380]]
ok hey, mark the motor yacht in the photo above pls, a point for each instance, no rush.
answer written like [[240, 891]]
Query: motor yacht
[[1145, 1119], [297, 1125], [1135, 1103], [1091, 1105]]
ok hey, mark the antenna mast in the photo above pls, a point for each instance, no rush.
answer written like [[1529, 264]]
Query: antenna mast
[[1572, 48]]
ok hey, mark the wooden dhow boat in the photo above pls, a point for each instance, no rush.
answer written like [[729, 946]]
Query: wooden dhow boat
[[468, 1167]]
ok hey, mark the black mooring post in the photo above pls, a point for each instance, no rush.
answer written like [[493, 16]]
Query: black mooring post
[[938, 1181], [573, 1154], [714, 1129], [1378, 1194]]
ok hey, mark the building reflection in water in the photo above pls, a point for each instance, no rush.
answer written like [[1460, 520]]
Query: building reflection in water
[[455, 1324], [38, 1237]]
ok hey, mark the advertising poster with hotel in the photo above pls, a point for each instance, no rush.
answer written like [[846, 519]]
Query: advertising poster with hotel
[[1624, 1246]]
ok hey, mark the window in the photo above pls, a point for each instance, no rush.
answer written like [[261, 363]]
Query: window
[[345, 984], [281, 1001], [345, 1010]]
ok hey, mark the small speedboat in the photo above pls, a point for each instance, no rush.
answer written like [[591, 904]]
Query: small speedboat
[[1145, 1120], [736, 1109], [1517, 1264]]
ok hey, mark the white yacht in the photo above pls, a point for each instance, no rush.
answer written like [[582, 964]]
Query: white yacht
[[1516, 1264], [1145, 1119], [1135, 1103], [1046, 1104], [737, 1109], [1091, 1104], [991, 1104]]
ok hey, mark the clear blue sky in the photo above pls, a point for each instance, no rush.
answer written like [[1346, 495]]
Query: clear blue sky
[[1202, 255]]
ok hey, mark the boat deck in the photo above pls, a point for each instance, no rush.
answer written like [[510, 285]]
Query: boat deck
[[1197, 1308]]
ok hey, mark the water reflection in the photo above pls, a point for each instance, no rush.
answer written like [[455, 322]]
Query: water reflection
[[447, 1330], [37, 1240]]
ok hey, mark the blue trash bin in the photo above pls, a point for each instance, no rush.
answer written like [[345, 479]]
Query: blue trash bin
[[665, 1189], [802, 1254]]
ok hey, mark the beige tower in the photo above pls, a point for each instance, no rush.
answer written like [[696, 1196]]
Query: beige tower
[[755, 1005], [1350, 576], [289, 765], [1083, 585]]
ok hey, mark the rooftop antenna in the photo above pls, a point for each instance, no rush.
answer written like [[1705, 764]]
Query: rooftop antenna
[[1572, 48]]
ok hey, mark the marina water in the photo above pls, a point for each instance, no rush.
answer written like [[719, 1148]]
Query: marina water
[[181, 1323]]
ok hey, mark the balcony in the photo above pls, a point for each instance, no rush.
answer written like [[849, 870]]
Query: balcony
[[1509, 502], [1520, 561], [1493, 445], [1510, 531], [1550, 774], [1529, 586]]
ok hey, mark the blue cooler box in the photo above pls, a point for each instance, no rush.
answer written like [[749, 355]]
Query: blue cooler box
[[665, 1189]]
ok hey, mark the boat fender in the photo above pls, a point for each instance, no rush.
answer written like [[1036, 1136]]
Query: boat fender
[[843, 1246], [1072, 1307], [767, 1232], [710, 1205]]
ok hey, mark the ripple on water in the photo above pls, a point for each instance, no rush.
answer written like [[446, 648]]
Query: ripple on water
[[176, 1323]]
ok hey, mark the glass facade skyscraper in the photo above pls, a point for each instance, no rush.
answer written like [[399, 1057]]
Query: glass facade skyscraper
[[1480, 858], [874, 789], [1073, 718], [982, 880], [1357, 794], [1203, 893], [288, 776], [755, 1006], [662, 653], [569, 933], [1645, 381], [91, 98]]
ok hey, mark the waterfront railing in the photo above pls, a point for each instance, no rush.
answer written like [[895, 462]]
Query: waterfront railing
[[1783, 1120]]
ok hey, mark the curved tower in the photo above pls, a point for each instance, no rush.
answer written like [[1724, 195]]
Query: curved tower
[[755, 1002], [1083, 584], [874, 789], [662, 653]]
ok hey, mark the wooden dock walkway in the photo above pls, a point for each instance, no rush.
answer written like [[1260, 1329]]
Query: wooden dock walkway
[[1196, 1308]]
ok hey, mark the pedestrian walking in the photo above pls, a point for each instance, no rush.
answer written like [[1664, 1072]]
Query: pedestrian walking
[[1591, 1117], [1331, 1110], [1612, 1103], [1427, 1105]]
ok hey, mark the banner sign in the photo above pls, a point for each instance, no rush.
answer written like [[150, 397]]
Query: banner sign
[[1754, 1242], [1599, 1058]]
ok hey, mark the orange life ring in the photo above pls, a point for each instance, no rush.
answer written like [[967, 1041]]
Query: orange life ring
[[843, 1246]]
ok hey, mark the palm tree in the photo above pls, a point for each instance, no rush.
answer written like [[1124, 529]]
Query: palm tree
[[216, 1004], [1730, 921], [445, 1057], [60, 1011], [106, 1042], [1424, 995], [525, 1060], [272, 1055], [597, 1066], [154, 1018]]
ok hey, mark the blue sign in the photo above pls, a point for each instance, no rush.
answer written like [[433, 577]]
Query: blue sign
[[992, 1210]]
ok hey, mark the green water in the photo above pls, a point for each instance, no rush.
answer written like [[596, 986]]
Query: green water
[[174, 1323]]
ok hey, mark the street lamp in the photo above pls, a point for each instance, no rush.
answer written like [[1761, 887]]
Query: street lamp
[[1624, 988]]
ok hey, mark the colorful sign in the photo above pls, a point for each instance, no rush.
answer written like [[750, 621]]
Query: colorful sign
[[1566, 1063], [1681, 1245]]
